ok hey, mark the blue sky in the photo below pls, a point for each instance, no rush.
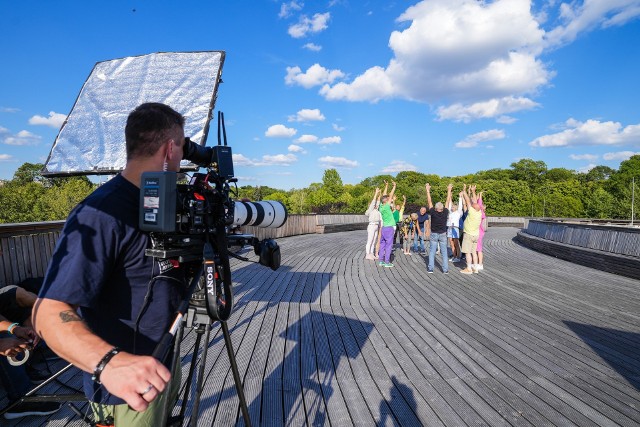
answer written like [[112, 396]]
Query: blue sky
[[367, 87]]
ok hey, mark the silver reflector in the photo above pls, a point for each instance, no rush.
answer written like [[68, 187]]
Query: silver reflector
[[91, 140]]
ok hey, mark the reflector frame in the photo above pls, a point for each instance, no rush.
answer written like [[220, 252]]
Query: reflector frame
[[91, 140]]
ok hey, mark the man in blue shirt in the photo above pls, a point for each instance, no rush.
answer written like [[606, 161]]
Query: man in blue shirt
[[104, 304]]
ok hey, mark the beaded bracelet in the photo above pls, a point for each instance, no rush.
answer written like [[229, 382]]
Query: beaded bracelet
[[12, 327], [103, 362]]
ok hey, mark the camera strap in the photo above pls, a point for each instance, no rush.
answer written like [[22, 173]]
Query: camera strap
[[210, 278]]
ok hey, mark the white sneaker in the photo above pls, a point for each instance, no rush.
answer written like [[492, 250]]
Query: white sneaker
[[479, 267]]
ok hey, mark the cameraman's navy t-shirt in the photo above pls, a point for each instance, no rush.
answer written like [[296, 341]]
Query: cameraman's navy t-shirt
[[100, 265]]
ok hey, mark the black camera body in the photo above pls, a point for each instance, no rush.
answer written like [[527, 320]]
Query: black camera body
[[195, 224], [182, 217]]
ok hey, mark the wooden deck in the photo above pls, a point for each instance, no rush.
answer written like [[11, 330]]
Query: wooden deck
[[332, 339]]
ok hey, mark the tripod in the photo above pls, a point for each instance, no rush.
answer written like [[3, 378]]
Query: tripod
[[199, 320], [198, 311]]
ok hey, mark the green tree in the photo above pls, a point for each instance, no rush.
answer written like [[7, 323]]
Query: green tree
[[597, 202], [21, 202], [493, 174], [332, 183], [620, 187], [560, 174], [30, 172], [320, 200], [528, 170], [58, 200], [299, 200], [599, 173]]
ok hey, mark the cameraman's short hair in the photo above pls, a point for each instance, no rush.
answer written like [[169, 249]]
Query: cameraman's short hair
[[148, 127]]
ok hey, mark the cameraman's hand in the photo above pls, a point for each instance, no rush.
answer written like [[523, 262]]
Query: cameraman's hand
[[129, 377], [12, 346]]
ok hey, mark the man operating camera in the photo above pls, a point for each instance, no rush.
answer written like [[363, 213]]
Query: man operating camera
[[104, 304]]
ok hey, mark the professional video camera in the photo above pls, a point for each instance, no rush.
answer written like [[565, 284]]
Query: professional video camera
[[198, 220]]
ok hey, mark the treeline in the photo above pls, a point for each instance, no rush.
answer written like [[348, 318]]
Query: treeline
[[527, 188]]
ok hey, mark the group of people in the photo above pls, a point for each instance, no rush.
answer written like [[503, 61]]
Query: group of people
[[452, 229]]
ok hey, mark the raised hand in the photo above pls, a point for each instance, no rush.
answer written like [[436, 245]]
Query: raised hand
[[427, 187]]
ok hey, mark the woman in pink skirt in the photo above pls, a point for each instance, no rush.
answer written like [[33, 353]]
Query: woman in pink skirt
[[482, 231]]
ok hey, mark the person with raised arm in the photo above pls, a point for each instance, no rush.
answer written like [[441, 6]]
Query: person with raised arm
[[483, 223], [386, 233], [438, 237], [471, 230], [453, 230], [374, 224]]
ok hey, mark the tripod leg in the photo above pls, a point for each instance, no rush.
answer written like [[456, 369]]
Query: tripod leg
[[236, 375], [203, 360], [175, 365]]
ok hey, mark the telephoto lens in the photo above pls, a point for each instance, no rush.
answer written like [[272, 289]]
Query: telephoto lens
[[264, 214]]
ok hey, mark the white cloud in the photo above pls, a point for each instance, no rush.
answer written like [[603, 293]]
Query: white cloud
[[287, 9], [315, 75], [476, 138], [579, 17], [506, 120], [337, 128], [296, 149], [307, 115], [279, 159], [55, 120], [280, 131], [330, 140], [589, 157], [308, 25], [337, 162], [266, 160], [587, 168], [486, 109], [9, 110], [591, 132], [307, 139], [24, 137], [399, 166], [463, 51], [312, 47], [620, 155], [241, 160], [6, 157]]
